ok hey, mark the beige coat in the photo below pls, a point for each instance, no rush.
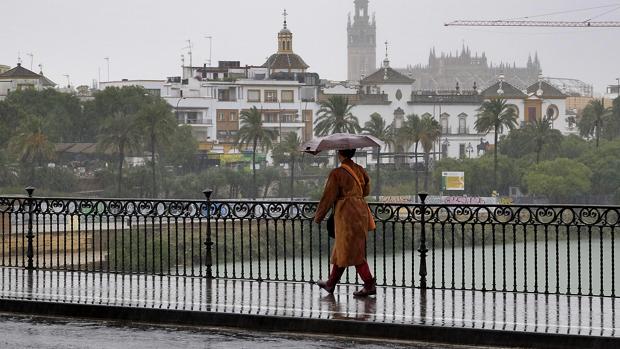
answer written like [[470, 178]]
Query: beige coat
[[351, 215]]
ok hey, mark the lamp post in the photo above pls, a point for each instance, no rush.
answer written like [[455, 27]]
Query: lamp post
[[469, 150], [176, 109]]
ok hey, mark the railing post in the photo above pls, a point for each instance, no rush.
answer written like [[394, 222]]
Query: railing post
[[29, 234], [209, 243], [423, 250]]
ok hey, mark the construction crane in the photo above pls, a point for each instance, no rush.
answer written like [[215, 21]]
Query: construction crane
[[510, 23], [528, 22]]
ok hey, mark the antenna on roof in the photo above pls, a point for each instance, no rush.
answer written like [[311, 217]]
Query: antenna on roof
[[31, 59], [189, 51], [19, 57]]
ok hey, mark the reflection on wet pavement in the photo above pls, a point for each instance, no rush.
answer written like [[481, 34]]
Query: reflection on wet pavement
[[45, 333], [470, 309]]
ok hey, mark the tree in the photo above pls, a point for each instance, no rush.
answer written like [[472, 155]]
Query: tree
[[120, 135], [57, 110], [180, 151], [118, 110], [494, 115], [159, 125], [334, 116], [378, 128], [430, 131], [31, 145], [9, 121], [288, 151], [558, 179], [409, 134], [593, 119], [542, 133], [252, 133]]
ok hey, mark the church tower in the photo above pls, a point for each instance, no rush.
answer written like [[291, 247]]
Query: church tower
[[362, 42]]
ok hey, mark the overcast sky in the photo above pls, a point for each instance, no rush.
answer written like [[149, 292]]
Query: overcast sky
[[145, 38]]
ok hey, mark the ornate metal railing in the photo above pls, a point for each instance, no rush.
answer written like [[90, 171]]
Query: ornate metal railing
[[518, 248]]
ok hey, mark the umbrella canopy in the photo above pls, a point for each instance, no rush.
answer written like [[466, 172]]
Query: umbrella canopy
[[339, 141]]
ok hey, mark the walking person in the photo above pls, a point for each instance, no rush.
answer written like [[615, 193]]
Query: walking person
[[345, 190]]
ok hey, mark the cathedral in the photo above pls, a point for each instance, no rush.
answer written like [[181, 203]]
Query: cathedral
[[443, 71]]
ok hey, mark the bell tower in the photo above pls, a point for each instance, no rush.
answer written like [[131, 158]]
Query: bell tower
[[362, 42]]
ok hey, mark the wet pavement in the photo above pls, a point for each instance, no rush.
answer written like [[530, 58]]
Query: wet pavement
[[48, 333], [496, 311]]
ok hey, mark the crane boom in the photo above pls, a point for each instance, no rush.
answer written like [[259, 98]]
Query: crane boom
[[509, 23]]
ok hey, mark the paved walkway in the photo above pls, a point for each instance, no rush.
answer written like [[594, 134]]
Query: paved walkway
[[467, 317]]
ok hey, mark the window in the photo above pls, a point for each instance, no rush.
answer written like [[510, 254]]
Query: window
[[463, 124], [462, 151], [445, 129], [287, 96], [289, 118], [270, 117], [233, 116], [220, 116], [253, 95], [531, 114], [271, 96], [191, 117], [552, 112]]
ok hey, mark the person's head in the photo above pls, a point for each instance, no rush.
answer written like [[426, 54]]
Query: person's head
[[346, 154]]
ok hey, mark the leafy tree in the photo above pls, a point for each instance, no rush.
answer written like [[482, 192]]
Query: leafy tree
[[430, 133], [558, 179], [493, 115], [378, 128], [604, 163], [57, 109], [9, 121], [252, 133], [288, 151], [593, 119], [181, 149], [334, 116], [542, 133], [159, 125], [31, 144]]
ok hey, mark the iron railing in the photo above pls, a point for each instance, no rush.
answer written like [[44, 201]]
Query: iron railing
[[518, 248]]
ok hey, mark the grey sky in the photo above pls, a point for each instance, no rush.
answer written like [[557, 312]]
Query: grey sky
[[145, 38]]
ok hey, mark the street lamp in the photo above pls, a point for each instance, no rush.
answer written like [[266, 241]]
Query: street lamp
[[176, 110], [469, 149]]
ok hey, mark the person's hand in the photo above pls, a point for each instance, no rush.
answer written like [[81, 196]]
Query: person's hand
[[317, 220]]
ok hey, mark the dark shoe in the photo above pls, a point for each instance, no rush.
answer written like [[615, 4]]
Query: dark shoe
[[323, 284], [368, 290]]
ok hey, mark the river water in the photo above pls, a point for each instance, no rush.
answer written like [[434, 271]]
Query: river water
[[562, 266], [55, 333]]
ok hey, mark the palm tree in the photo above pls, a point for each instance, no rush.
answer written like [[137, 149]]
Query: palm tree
[[378, 128], [290, 148], [253, 133], [410, 134], [31, 144], [334, 116], [493, 115], [542, 132], [592, 120], [120, 135], [159, 125], [430, 131]]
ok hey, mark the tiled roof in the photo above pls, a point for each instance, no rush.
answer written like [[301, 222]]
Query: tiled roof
[[285, 61], [391, 77], [509, 91], [549, 91], [20, 72]]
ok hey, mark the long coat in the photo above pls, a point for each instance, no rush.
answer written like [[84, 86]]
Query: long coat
[[351, 214]]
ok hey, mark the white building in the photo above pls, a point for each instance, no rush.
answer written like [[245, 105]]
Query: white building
[[392, 95], [20, 78]]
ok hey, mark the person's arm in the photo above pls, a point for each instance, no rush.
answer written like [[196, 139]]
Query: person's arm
[[366, 189], [330, 195]]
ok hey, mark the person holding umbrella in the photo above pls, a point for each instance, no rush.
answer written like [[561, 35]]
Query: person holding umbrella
[[345, 190]]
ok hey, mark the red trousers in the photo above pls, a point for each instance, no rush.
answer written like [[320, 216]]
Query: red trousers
[[363, 270]]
